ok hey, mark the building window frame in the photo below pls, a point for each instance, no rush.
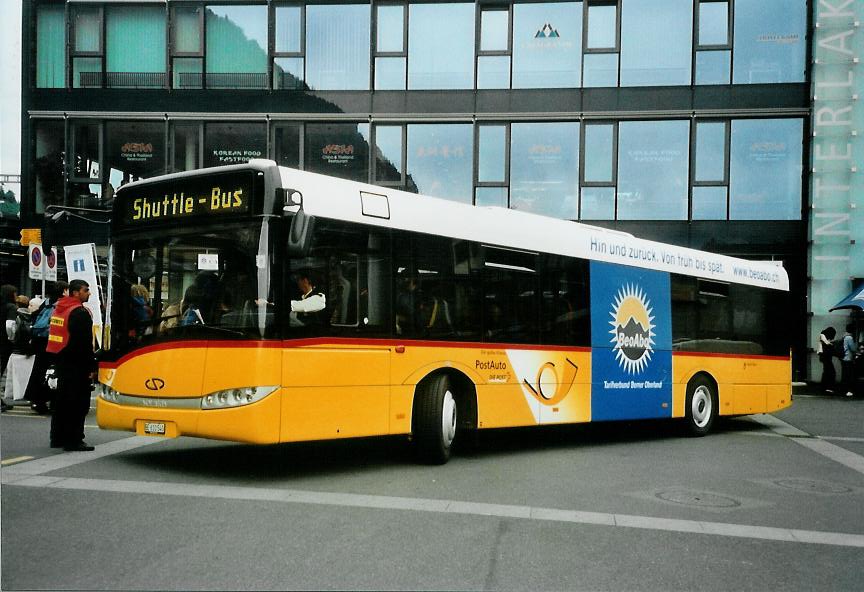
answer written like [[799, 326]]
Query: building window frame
[[587, 50], [376, 53], [613, 183], [275, 54], [504, 183], [700, 48], [76, 54], [175, 55], [724, 182], [373, 158], [480, 53]]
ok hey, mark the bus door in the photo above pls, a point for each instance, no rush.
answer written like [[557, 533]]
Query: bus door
[[336, 380], [631, 343]]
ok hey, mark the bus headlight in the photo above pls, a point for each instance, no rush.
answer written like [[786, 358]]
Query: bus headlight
[[109, 394], [236, 397]]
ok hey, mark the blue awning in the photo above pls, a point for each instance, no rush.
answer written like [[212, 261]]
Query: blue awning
[[854, 301]]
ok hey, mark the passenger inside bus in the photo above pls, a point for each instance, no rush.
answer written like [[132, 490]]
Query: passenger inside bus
[[308, 310]]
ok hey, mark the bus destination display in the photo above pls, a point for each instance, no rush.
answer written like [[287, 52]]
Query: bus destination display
[[190, 199]]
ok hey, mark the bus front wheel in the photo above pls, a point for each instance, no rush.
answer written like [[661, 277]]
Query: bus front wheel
[[701, 406], [435, 417]]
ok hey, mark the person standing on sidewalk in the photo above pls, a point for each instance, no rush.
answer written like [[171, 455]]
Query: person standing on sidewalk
[[825, 351], [70, 340], [847, 364], [37, 393], [8, 314]]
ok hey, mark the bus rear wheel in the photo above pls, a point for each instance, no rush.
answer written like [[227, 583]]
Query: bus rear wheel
[[701, 406], [435, 420]]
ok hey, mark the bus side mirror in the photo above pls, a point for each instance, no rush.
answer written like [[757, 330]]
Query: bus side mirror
[[300, 234]]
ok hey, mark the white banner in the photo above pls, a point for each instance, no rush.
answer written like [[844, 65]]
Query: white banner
[[81, 265]]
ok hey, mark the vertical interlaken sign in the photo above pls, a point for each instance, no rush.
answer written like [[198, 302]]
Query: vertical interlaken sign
[[836, 207]]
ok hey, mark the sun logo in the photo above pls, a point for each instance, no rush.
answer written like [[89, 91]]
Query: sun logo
[[632, 329]]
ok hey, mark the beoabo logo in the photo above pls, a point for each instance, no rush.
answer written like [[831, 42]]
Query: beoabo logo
[[632, 329]]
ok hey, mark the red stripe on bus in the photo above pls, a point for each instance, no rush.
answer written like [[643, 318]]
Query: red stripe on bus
[[719, 355], [313, 341]]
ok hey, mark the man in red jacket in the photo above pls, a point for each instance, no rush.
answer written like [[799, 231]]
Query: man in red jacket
[[70, 339]]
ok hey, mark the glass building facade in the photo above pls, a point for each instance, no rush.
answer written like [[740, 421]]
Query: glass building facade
[[686, 121]]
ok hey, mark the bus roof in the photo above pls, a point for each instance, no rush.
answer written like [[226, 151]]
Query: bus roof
[[350, 201]]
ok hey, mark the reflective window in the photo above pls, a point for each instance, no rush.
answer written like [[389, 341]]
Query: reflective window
[[440, 160], [338, 149], [491, 196], [390, 28], [713, 67], [598, 203], [709, 203], [439, 56], [337, 46], [599, 152], [493, 72], [710, 151], [547, 45], [86, 47], [289, 29], [135, 46], [186, 146], [494, 30], [491, 153], [187, 34], [234, 143], [602, 25], [713, 23], [600, 69], [656, 38], [288, 73], [85, 183], [286, 144], [770, 41], [389, 144], [87, 27], [544, 168], [390, 73], [653, 170], [50, 47], [134, 150], [765, 169], [48, 167], [187, 29], [236, 46]]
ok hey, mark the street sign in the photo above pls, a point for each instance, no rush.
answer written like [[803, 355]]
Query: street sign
[[30, 235], [51, 265], [35, 262]]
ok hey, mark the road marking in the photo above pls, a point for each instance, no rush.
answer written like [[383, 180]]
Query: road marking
[[56, 462], [814, 443], [841, 438], [17, 459], [443, 506]]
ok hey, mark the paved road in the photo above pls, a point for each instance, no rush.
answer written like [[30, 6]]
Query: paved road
[[769, 502]]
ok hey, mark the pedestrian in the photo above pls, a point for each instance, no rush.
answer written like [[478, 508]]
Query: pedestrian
[[825, 351], [70, 340], [847, 364], [20, 363], [37, 392], [8, 313]]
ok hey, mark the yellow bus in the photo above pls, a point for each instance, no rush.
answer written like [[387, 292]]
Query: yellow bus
[[257, 303]]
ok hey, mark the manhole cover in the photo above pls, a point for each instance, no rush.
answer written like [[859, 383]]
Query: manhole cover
[[701, 499], [812, 486]]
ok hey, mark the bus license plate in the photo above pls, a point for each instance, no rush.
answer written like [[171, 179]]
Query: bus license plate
[[154, 427]]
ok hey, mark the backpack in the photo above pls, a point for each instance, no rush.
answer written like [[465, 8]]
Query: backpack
[[42, 323], [23, 330]]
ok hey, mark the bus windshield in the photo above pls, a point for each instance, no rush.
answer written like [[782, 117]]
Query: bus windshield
[[194, 284]]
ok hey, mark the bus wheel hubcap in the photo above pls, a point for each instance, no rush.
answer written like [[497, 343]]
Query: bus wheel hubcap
[[701, 406], [448, 419]]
